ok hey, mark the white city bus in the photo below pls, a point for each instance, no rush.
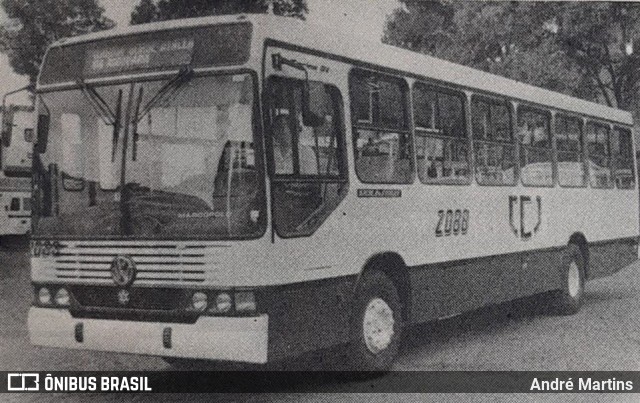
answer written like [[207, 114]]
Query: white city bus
[[250, 188], [15, 170]]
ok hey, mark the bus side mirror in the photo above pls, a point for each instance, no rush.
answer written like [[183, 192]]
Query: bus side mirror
[[7, 127], [43, 134], [312, 100]]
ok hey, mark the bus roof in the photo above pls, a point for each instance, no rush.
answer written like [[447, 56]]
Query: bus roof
[[346, 45]]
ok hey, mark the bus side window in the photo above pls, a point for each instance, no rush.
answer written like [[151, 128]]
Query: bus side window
[[598, 147], [571, 168], [441, 137], [622, 154], [536, 152], [494, 149], [381, 135]]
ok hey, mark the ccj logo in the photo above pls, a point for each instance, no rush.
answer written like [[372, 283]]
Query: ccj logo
[[23, 382]]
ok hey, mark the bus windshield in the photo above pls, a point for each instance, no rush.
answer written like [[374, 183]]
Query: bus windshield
[[164, 159]]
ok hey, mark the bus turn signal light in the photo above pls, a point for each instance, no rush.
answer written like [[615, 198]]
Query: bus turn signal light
[[44, 296], [245, 301], [223, 303], [199, 301], [62, 297]]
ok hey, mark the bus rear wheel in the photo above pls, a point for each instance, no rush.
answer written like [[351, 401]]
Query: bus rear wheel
[[376, 324], [568, 300]]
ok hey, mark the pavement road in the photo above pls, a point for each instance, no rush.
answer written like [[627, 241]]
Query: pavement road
[[604, 335]]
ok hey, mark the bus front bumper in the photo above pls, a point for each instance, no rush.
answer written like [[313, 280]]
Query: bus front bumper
[[241, 339]]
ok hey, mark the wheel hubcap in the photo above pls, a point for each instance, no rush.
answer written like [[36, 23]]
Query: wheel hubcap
[[378, 325], [573, 279]]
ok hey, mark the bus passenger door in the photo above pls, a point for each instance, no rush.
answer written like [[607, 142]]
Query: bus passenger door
[[306, 151]]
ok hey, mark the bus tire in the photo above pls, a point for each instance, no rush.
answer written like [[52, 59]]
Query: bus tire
[[568, 299], [376, 324]]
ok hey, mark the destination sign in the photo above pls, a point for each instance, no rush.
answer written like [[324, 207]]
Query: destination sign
[[225, 44], [158, 53]]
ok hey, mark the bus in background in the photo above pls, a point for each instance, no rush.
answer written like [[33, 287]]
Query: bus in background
[[15, 169], [231, 188]]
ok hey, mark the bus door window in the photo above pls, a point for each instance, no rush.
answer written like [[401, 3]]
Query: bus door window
[[622, 153], [571, 168], [441, 139], [493, 142], [381, 135], [309, 172], [598, 147], [282, 136], [536, 152]]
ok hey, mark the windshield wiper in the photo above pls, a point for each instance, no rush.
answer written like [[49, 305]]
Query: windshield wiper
[[134, 151], [101, 107], [97, 102], [116, 127], [184, 76]]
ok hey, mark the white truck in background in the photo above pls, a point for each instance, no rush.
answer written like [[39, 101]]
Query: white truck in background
[[15, 169]]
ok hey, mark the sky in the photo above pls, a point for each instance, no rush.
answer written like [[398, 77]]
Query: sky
[[369, 15]]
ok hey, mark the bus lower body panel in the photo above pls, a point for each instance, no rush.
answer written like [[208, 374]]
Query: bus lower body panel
[[451, 288], [243, 339], [294, 319], [445, 289]]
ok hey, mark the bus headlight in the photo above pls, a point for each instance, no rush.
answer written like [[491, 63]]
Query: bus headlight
[[199, 301], [44, 296], [62, 297], [245, 301], [223, 302]]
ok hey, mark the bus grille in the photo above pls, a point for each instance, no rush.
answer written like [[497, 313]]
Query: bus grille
[[156, 264], [162, 299]]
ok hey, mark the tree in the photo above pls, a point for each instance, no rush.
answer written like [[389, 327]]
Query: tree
[[161, 10], [41, 22], [504, 38], [599, 38], [580, 48]]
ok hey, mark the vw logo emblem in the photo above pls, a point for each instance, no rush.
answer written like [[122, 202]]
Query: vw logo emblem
[[123, 271], [123, 297]]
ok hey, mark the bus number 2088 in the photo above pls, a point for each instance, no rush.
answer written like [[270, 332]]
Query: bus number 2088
[[454, 222]]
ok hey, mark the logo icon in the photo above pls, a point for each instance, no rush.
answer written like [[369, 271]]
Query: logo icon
[[23, 382], [123, 271], [124, 297], [524, 204]]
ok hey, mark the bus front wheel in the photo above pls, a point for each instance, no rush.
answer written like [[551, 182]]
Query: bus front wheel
[[376, 323], [568, 299]]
